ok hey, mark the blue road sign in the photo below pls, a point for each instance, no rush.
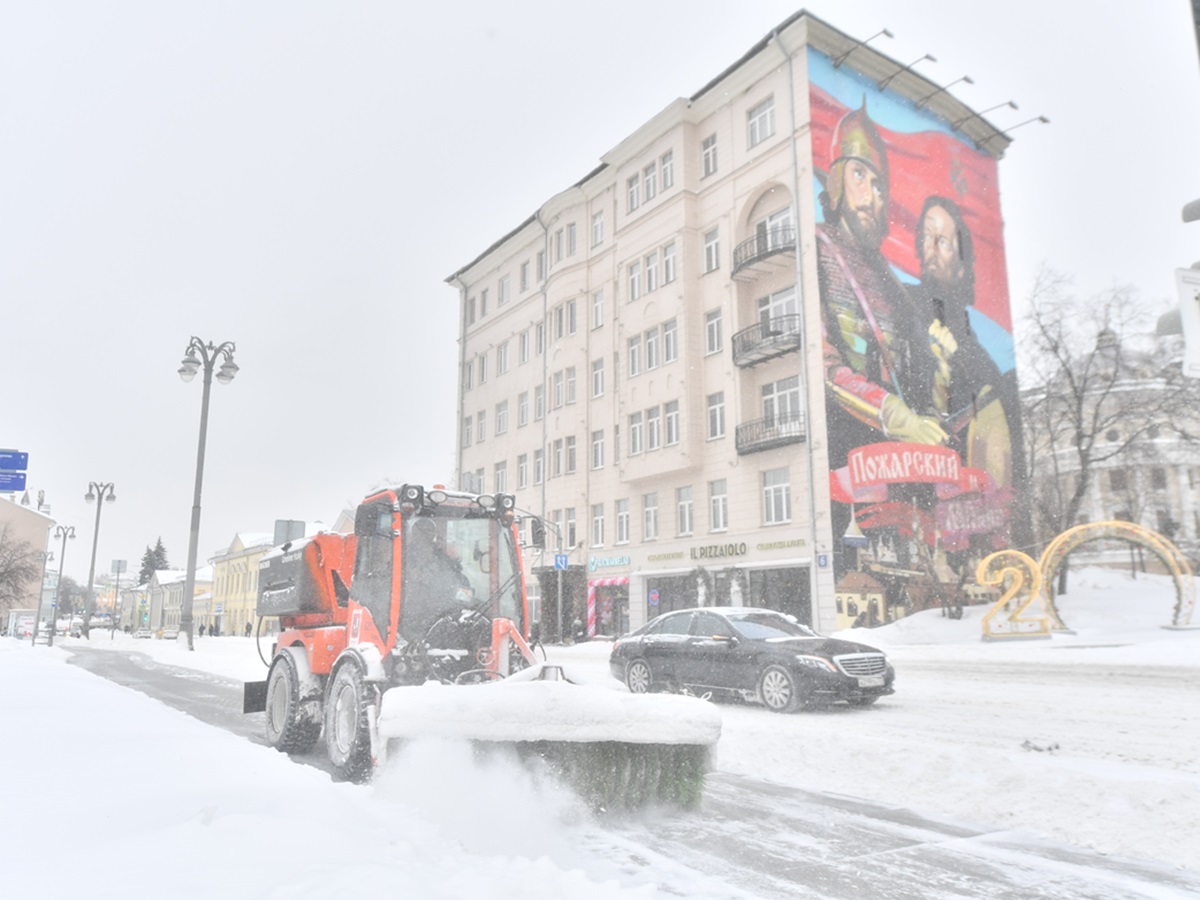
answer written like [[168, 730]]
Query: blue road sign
[[12, 481], [561, 561], [14, 460]]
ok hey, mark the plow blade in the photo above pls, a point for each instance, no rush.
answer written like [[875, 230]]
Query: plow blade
[[616, 750]]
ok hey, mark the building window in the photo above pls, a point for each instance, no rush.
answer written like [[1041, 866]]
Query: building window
[[716, 415], [481, 426], [571, 239], [557, 382], [539, 338], [650, 517], [708, 155], [635, 355], [598, 377], [718, 505], [466, 431], [597, 309], [653, 428], [559, 320], [541, 266], [501, 418], [539, 466], [666, 165], [713, 338], [670, 333], [668, 253], [468, 374], [522, 409], [650, 181], [500, 477], [651, 349], [633, 194], [635, 433], [558, 245], [523, 347], [483, 369], [1117, 480], [761, 119], [598, 228], [622, 521], [597, 524], [635, 281], [470, 310], [651, 262], [525, 275], [712, 250], [1158, 479], [572, 317], [556, 458], [570, 384], [539, 403], [598, 449], [572, 455], [683, 504], [504, 291], [781, 403], [777, 497], [672, 418], [523, 470], [502, 358]]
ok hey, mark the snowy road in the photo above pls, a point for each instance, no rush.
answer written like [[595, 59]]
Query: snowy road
[[756, 838]]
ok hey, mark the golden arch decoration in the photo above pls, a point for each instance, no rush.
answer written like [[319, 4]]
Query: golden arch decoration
[[1026, 607]]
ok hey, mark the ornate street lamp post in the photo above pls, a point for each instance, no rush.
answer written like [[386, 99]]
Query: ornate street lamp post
[[97, 491], [64, 532], [45, 556], [200, 355]]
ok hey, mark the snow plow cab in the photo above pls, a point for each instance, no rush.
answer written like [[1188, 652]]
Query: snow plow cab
[[429, 592]]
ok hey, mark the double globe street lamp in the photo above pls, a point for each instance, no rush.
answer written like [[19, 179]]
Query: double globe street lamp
[[64, 532], [96, 491], [197, 356]]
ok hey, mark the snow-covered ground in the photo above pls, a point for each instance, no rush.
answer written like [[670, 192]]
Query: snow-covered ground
[[1089, 738]]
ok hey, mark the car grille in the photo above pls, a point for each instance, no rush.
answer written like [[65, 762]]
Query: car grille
[[858, 664]]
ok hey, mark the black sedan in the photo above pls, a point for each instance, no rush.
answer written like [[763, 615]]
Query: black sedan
[[758, 654]]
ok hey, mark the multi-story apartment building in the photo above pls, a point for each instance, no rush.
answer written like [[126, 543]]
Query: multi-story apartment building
[[642, 359]]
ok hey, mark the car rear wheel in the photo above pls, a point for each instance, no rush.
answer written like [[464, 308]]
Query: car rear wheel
[[777, 689], [637, 677], [293, 725]]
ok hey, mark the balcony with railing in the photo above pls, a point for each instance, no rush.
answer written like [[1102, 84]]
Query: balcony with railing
[[766, 339], [766, 252], [766, 434]]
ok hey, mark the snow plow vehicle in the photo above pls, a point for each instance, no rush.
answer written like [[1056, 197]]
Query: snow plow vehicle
[[417, 625]]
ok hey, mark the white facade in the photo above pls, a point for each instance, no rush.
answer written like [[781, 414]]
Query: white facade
[[636, 357]]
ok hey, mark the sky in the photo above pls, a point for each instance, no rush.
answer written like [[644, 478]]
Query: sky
[[1023, 741], [300, 179]]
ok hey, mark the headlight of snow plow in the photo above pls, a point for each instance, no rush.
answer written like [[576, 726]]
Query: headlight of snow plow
[[815, 662]]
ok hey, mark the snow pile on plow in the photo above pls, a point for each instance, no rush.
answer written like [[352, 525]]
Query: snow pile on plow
[[617, 750]]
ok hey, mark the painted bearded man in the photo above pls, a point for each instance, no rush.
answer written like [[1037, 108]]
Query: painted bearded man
[[882, 379]]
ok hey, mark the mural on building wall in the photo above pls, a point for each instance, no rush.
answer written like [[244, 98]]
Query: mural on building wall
[[921, 392]]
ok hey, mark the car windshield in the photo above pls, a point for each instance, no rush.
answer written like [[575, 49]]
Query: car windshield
[[768, 626]]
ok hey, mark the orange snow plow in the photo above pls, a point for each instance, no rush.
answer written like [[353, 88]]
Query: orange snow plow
[[417, 626]]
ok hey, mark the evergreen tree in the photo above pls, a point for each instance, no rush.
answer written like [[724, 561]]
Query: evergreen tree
[[152, 561]]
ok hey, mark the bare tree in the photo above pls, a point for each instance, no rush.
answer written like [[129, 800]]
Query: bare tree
[[19, 565], [1091, 398]]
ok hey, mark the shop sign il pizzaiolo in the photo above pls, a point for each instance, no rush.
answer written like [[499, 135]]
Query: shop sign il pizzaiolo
[[717, 551]]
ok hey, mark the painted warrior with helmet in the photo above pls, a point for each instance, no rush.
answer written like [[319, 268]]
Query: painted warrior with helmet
[[882, 377]]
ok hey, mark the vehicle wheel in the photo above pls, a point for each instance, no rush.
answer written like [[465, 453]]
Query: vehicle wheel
[[864, 701], [637, 677], [777, 690], [347, 733], [293, 725]]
